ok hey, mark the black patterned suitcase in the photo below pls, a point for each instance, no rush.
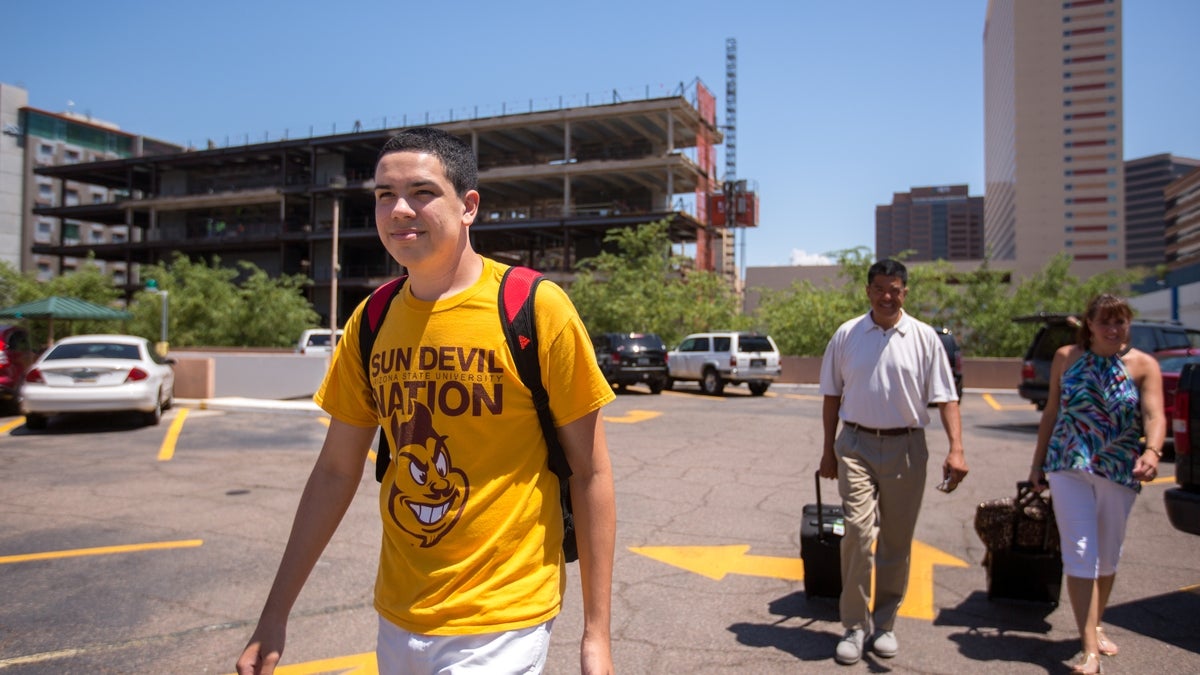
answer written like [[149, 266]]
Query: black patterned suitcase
[[821, 530], [1028, 565]]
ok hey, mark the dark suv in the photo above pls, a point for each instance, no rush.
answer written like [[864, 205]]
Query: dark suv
[[1060, 329], [16, 355], [1183, 501], [954, 353], [632, 358]]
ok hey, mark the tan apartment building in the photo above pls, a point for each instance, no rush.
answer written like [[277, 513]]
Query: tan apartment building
[[1053, 134], [33, 139]]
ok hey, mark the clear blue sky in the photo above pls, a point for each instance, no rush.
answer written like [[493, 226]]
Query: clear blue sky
[[840, 104]]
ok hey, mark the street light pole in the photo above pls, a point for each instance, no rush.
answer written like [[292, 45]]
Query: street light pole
[[337, 183], [161, 347], [163, 333]]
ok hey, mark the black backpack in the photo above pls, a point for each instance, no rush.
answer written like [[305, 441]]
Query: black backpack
[[516, 316]]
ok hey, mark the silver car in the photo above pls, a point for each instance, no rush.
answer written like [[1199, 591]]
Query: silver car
[[98, 373]]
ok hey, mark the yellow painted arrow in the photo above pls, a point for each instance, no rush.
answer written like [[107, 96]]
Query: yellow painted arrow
[[358, 664], [633, 417], [918, 601], [715, 562]]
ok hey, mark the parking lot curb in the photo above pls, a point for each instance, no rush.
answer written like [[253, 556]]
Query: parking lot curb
[[240, 404]]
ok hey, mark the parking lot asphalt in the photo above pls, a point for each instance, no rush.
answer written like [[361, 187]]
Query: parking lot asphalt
[[114, 559]]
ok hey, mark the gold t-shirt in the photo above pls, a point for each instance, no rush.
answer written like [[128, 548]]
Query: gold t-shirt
[[472, 534]]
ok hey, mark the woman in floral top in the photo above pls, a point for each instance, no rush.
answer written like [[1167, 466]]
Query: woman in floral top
[[1104, 397]]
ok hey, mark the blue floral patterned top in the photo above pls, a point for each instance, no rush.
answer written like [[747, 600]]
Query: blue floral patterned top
[[1099, 421]]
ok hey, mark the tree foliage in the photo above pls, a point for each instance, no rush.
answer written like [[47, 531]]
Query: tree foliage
[[205, 307], [639, 284], [87, 283], [803, 317], [979, 306]]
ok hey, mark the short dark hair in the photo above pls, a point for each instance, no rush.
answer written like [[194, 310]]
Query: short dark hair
[[457, 158], [888, 268]]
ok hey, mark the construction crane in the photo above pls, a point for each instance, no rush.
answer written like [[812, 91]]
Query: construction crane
[[730, 185]]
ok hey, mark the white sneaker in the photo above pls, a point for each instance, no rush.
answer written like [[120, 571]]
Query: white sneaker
[[884, 644], [849, 649]]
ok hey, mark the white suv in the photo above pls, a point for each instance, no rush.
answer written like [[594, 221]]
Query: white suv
[[315, 342], [717, 359]]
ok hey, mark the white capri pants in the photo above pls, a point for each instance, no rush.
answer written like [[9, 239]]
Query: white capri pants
[[515, 652], [1092, 512]]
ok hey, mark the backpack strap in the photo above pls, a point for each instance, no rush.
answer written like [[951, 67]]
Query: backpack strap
[[517, 288], [369, 322]]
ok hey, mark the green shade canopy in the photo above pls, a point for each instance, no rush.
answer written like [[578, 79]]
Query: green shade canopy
[[64, 309]]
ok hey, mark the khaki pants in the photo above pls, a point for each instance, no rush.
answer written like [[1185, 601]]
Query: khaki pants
[[881, 480]]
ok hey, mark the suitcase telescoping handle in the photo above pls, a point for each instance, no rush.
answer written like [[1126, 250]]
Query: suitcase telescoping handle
[[820, 507]]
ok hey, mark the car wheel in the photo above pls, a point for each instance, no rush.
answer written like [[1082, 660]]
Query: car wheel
[[657, 384], [170, 400], [711, 383], [35, 421], [759, 388], [669, 383], [154, 416]]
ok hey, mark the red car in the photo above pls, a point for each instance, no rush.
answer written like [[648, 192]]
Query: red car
[[1171, 362], [16, 355]]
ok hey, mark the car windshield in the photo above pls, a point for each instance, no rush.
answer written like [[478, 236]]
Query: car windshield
[[94, 350], [1168, 339], [754, 343], [318, 340], [1174, 364], [1053, 337], [641, 343]]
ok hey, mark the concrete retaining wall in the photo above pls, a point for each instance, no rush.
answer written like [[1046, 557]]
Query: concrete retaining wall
[[978, 373], [280, 375], [255, 374]]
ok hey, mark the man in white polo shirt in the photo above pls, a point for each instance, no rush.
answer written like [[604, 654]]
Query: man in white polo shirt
[[880, 373]]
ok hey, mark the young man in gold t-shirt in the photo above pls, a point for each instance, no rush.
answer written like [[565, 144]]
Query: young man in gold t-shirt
[[471, 570]]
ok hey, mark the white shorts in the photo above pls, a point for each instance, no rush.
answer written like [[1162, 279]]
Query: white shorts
[[1091, 512], [516, 652]]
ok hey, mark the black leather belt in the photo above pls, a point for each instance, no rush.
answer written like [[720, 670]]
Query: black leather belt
[[899, 431]]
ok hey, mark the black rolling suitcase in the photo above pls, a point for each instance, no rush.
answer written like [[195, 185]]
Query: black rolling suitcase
[[821, 530], [1024, 561]]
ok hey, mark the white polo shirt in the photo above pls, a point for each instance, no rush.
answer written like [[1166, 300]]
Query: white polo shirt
[[887, 378]]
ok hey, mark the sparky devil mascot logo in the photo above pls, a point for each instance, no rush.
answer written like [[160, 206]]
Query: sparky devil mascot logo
[[428, 493]]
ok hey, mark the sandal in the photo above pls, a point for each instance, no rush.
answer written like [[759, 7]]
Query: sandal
[[1105, 646], [1089, 665]]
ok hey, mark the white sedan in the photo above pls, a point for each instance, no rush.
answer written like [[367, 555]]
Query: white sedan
[[98, 373]]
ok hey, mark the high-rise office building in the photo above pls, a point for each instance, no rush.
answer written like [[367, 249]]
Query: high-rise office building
[[1053, 133], [935, 223], [1146, 206]]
